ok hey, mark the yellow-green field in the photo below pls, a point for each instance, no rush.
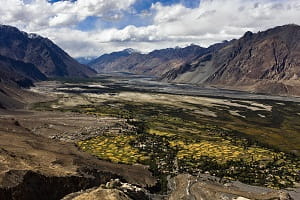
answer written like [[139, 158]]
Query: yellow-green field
[[114, 148], [222, 151]]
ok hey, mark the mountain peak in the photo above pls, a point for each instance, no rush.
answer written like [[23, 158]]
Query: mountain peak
[[284, 28], [33, 36], [131, 51], [248, 34]]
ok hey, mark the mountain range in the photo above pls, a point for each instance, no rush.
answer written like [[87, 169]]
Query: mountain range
[[26, 58], [263, 62], [154, 63]]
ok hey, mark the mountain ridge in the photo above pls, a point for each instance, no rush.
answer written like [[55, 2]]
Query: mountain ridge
[[26, 58], [264, 62], [50, 59], [153, 63]]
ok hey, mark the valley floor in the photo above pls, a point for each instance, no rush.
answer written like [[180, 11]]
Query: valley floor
[[119, 125]]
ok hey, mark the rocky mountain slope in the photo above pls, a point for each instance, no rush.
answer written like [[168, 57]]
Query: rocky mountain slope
[[15, 75], [153, 63], [51, 60], [267, 62], [26, 58], [18, 72], [100, 63], [12, 97]]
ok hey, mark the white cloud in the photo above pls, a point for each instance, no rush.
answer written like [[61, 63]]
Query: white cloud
[[38, 14], [175, 25], [165, 14]]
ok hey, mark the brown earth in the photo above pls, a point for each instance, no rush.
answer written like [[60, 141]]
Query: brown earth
[[35, 167], [103, 194], [206, 187], [13, 97]]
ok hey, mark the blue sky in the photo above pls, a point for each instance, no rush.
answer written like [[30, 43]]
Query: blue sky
[[128, 17], [94, 27], [146, 4]]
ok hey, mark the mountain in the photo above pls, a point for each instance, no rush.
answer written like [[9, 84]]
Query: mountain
[[27, 58], [107, 62], [15, 75], [154, 63], [18, 72], [266, 62], [51, 60], [85, 60]]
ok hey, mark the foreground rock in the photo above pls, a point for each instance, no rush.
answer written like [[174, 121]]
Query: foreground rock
[[186, 187], [112, 190], [205, 187], [103, 194]]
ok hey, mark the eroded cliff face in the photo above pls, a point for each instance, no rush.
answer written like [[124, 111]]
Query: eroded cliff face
[[267, 62]]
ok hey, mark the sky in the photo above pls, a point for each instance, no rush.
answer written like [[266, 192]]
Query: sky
[[86, 28]]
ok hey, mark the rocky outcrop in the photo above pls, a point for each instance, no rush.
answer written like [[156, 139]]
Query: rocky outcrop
[[112, 190], [101, 193]]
